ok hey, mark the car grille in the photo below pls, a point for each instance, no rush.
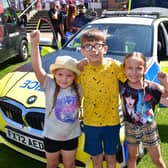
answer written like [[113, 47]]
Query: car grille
[[35, 120], [12, 112], [31, 117]]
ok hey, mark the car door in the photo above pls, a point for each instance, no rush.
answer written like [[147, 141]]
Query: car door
[[3, 40], [163, 45], [8, 31], [11, 30]]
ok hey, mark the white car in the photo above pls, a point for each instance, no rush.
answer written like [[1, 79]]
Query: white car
[[22, 115]]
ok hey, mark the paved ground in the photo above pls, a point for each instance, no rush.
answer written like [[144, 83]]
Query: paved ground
[[42, 36]]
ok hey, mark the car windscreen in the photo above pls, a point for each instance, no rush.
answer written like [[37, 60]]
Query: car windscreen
[[120, 38]]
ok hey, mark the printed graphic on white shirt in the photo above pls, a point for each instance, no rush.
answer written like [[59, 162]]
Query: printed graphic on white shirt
[[66, 109]]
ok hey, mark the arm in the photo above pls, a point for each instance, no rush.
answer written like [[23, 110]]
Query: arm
[[81, 64], [35, 56], [163, 77], [164, 101], [61, 26]]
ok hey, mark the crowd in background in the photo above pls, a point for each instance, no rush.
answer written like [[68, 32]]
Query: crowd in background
[[44, 4], [67, 17]]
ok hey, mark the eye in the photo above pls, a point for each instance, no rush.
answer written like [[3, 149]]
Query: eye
[[70, 76], [88, 47], [60, 74], [98, 46]]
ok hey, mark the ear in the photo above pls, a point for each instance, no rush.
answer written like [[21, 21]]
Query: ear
[[105, 49], [82, 51]]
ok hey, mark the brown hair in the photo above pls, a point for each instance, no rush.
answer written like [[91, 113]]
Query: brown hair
[[93, 35], [57, 89], [135, 54], [70, 16]]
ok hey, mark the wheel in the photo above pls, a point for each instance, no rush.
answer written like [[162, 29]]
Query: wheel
[[23, 50]]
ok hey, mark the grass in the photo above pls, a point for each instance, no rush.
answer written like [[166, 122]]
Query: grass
[[12, 159], [162, 121], [10, 65], [17, 160]]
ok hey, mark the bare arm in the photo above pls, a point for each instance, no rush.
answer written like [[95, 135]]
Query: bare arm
[[35, 56], [62, 30], [163, 77], [81, 64]]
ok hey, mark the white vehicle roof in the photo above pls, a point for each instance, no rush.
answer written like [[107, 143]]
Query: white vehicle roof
[[124, 20]]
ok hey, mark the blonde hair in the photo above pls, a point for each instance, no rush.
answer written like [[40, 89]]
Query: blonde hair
[[57, 89]]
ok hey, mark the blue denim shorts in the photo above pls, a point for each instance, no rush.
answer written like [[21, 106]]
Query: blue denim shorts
[[101, 139]]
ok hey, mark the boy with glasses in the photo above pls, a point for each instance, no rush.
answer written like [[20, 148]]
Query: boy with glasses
[[100, 84]]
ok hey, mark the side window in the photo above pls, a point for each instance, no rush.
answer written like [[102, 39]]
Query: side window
[[10, 16], [162, 42]]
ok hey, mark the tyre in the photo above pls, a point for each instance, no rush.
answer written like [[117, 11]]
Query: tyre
[[23, 50]]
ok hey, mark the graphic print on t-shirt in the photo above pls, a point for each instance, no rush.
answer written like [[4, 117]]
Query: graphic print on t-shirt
[[66, 109], [139, 104]]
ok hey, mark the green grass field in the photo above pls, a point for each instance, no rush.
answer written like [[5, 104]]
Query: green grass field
[[13, 159], [162, 121]]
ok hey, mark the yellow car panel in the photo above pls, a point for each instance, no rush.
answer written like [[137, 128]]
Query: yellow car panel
[[164, 66]]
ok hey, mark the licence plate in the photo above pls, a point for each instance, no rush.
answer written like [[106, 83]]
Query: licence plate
[[25, 140]]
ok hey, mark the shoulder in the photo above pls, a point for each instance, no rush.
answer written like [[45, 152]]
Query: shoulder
[[112, 62], [154, 87], [48, 82]]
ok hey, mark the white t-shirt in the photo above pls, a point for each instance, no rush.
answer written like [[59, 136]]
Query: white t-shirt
[[62, 123]]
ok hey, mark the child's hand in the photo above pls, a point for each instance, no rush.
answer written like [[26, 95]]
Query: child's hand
[[35, 37], [163, 77], [81, 64]]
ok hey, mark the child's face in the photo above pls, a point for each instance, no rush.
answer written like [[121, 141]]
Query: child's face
[[64, 78], [134, 69], [94, 51]]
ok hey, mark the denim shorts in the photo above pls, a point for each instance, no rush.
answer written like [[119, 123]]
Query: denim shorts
[[101, 139], [146, 133]]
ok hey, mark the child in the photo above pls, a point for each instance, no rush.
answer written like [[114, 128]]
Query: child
[[61, 128], [100, 85], [140, 125]]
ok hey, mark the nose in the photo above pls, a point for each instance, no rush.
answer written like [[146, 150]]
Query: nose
[[94, 50], [64, 78]]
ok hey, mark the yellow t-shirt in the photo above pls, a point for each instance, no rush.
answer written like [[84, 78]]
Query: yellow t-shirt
[[100, 87]]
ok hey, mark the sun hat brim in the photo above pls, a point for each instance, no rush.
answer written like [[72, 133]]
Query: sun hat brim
[[65, 62]]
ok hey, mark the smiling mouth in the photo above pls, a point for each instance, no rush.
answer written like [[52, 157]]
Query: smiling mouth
[[95, 55]]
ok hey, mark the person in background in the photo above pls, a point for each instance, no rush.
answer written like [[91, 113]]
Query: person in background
[[81, 19], [86, 3], [70, 2], [43, 4], [61, 125], [139, 98], [62, 22], [72, 11], [53, 15], [69, 20]]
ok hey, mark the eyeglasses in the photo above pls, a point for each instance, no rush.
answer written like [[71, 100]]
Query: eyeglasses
[[89, 47]]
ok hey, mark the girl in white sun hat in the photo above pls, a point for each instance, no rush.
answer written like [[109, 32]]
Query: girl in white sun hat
[[61, 126]]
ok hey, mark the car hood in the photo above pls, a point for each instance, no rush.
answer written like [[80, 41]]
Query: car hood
[[22, 87], [74, 53]]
